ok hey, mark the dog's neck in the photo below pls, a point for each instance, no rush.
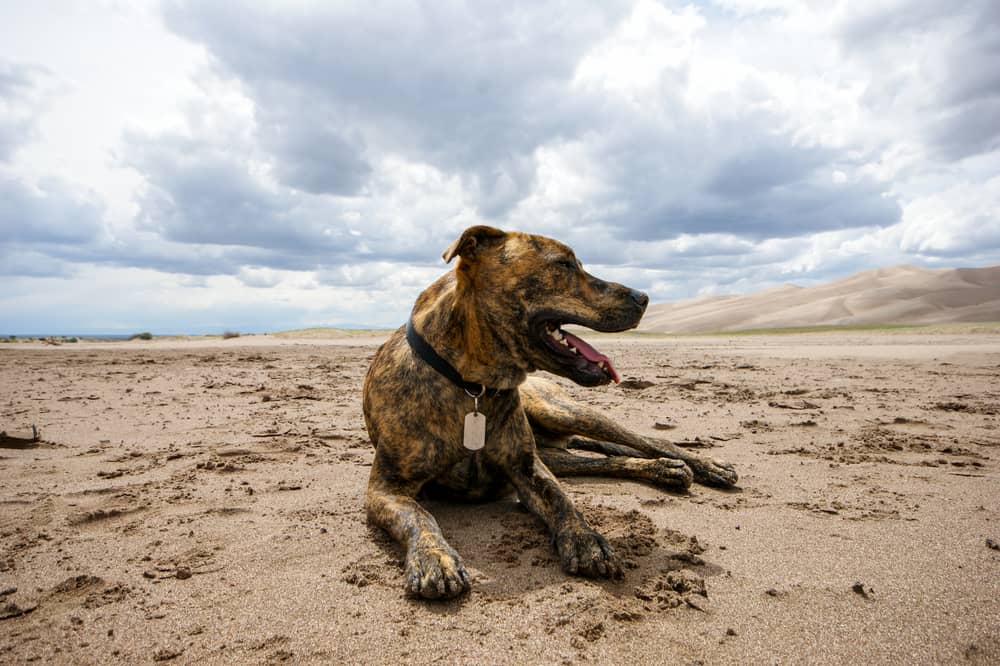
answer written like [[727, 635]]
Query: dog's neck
[[449, 317]]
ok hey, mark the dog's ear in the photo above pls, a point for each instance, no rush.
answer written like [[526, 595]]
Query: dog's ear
[[471, 241]]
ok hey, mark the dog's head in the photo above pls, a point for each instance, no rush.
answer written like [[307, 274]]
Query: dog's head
[[527, 287]]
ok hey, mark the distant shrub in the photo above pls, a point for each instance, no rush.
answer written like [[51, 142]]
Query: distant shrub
[[12, 338], [230, 334], [70, 340], [141, 336]]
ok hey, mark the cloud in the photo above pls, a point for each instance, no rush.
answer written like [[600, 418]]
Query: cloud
[[469, 91], [200, 196], [957, 221], [318, 160], [22, 262], [340, 92], [322, 155], [47, 213], [224, 185], [206, 192], [21, 94], [764, 168], [35, 212], [930, 61]]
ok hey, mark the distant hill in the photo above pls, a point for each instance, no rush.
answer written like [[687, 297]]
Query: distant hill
[[897, 295]]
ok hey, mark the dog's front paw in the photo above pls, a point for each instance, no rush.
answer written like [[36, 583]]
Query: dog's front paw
[[584, 552], [714, 472], [435, 572], [668, 473]]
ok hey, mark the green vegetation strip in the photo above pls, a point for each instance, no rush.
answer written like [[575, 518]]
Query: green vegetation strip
[[963, 327]]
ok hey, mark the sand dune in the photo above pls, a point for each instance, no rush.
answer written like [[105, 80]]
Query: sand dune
[[897, 295]]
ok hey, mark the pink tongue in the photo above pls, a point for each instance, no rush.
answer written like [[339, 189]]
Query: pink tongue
[[591, 354]]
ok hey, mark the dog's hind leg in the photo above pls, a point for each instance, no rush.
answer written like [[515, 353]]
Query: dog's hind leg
[[664, 472], [552, 411], [607, 448], [433, 568]]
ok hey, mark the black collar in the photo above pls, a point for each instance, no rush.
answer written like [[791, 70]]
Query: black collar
[[431, 357]]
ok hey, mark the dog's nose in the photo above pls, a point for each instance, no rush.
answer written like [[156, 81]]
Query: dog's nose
[[639, 297]]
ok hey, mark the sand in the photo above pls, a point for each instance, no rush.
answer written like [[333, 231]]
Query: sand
[[201, 502]]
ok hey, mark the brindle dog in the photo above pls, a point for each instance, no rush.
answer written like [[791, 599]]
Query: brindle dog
[[481, 329]]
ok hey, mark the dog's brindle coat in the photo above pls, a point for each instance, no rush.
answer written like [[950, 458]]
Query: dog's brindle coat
[[495, 319]]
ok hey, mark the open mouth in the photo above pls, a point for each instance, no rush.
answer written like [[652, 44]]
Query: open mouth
[[574, 350]]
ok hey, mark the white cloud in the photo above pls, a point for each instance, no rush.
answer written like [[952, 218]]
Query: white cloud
[[633, 60], [959, 220]]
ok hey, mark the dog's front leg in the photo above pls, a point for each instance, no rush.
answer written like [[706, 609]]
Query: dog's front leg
[[433, 568], [582, 550]]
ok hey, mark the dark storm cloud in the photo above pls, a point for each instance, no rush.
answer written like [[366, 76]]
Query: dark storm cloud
[[745, 181], [774, 190], [969, 122], [971, 129], [212, 215], [198, 193], [316, 158], [764, 168], [962, 38], [151, 252], [471, 90], [875, 22], [787, 211], [49, 212], [18, 261]]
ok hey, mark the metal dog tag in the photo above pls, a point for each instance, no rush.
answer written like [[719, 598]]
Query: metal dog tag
[[475, 431], [474, 437]]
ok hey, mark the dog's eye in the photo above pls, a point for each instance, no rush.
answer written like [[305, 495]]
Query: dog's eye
[[567, 263]]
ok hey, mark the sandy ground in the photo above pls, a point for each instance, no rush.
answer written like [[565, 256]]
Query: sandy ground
[[201, 502]]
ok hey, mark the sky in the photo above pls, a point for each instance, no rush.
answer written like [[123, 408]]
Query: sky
[[200, 166]]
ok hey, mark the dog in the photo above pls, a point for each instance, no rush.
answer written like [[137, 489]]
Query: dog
[[450, 408]]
